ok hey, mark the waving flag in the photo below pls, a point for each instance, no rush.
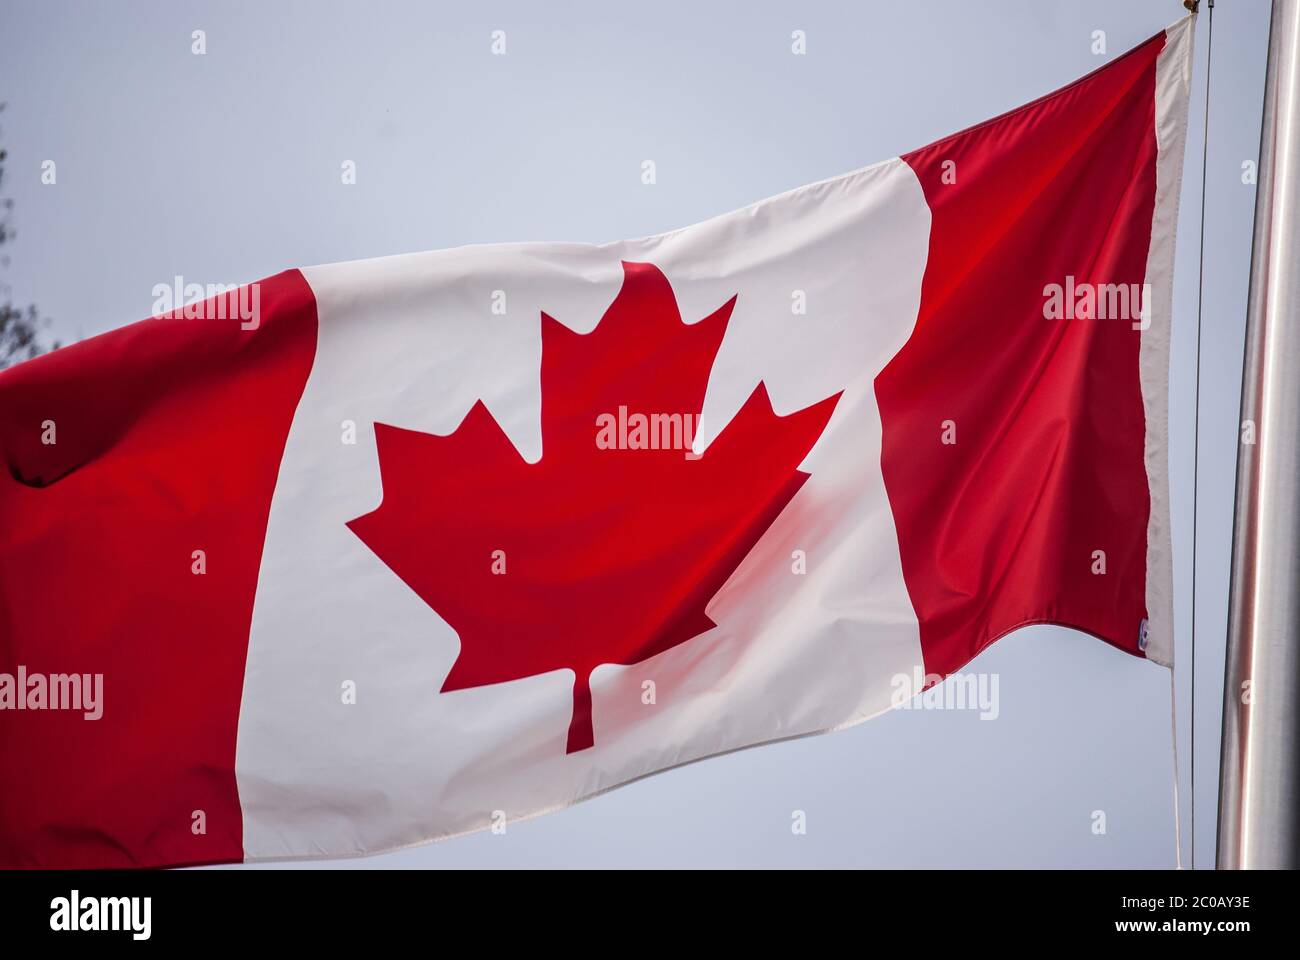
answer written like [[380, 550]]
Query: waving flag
[[376, 553]]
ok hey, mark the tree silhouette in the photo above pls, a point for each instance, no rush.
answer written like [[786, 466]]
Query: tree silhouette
[[20, 326]]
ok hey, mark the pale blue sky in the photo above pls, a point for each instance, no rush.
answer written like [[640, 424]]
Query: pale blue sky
[[225, 168]]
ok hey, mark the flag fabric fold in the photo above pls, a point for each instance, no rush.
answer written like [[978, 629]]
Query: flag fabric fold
[[376, 553]]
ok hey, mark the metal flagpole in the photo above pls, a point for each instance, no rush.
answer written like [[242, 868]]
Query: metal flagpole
[[1259, 779]]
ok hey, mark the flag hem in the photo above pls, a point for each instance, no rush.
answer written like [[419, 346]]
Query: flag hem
[[1173, 76]]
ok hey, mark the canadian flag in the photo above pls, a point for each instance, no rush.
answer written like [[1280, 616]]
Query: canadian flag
[[383, 552]]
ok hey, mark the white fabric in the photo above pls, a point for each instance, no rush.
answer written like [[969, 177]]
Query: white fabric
[[411, 341], [1173, 74]]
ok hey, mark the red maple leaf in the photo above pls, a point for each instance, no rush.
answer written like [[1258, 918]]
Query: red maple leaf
[[591, 555]]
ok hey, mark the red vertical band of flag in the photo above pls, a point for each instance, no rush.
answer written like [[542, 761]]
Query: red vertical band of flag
[[1001, 528], [169, 435]]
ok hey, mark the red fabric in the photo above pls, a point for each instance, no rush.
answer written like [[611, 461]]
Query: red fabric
[[169, 439], [998, 530]]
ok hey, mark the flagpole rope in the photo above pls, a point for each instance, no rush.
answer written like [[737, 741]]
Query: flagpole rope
[[1196, 414], [1173, 736]]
